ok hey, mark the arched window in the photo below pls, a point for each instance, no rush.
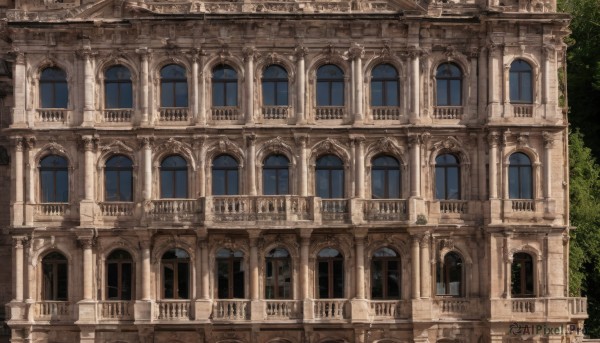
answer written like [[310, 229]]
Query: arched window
[[230, 274], [54, 92], [329, 177], [55, 270], [118, 179], [225, 176], [385, 274], [385, 178], [224, 86], [54, 178], [447, 177], [330, 86], [522, 275], [276, 175], [175, 274], [521, 87], [278, 274], [448, 79], [275, 86], [119, 275], [330, 269], [384, 86], [449, 275], [173, 86], [117, 87], [173, 177], [520, 180]]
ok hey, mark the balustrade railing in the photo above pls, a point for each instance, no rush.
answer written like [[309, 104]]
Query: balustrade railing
[[117, 115], [225, 113], [385, 309], [233, 208], [52, 209], [275, 112], [283, 309], [329, 112], [117, 209], [523, 305], [578, 306], [174, 209], [231, 309], [523, 205], [116, 310], [329, 308], [386, 113], [523, 111], [301, 207], [172, 309], [453, 206], [270, 207], [453, 306], [334, 209], [52, 310], [448, 112], [52, 115], [385, 210], [173, 114]]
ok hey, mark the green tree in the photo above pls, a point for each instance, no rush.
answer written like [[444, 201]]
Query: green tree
[[584, 259]]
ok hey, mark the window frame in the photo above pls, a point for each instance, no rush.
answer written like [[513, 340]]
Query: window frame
[[226, 170], [449, 89], [385, 273], [331, 291], [386, 171], [520, 74], [118, 170], [54, 171], [444, 271], [54, 263], [53, 85], [278, 170], [329, 82], [125, 82], [231, 273], [275, 286], [174, 263], [520, 179], [224, 81], [524, 274], [173, 81], [277, 82], [329, 170], [384, 85], [174, 178], [120, 262], [445, 168]]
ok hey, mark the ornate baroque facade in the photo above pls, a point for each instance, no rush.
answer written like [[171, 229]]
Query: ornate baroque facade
[[294, 171]]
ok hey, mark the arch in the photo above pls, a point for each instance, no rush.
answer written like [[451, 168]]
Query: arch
[[385, 273], [274, 58], [526, 248], [160, 63], [329, 146], [383, 59], [457, 59], [54, 285], [449, 145], [48, 247], [53, 149], [120, 243], [329, 58], [174, 147], [275, 146], [385, 86], [447, 282], [533, 156], [385, 146], [233, 61], [170, 242], [115, 147], [224, 146], [104, 64], [449, 84], [222, 77]]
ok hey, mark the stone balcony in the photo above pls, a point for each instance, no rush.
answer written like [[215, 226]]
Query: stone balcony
[[538, 309]]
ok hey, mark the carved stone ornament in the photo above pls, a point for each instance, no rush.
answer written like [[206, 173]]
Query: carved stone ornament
[[300, 51], [449, 143], [548, 139], [116, 146], [276, 145], [523, 140]]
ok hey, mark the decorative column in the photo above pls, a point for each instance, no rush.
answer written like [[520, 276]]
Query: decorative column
[[18, 271], [359, 241], [506, 84], [88, 272], [17, 208], [251, 163], [549, 56], [201, 120], [145, 245], [415, 163], [257, 307], [493, 77], [507, 267], [472, 89], [88, 146], [195, 93], [547, 182], [143, 307], [493, 138], [147, 148], [415, 267], [144, 89], [304, 271], [359, 160], [203, 307], [249, 53], [20, 88], [300, 84], [425, 267], [415, 81], [205, 272], [356, 53], [301, 141], [88, 88]]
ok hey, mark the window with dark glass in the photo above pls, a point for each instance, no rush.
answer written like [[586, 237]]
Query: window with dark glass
[[276, 175], [384, 86], [230, 274], [385, 274], [330, 86], [55, 283], [449, 275], [119, 276], [173, 177], [447, 177], [448, 79], [225, 176], [329, 172], [54, 91], [224, 86], [330, 268], [175, 274], [385, 178], [117, 87], [275, 86], [173, 86], [521, 87], [54, 178], [118, 179], [520, 177], [278, 274], [522, 275]]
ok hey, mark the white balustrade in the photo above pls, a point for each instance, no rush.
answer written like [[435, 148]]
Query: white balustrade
[[385, 309], [283, 309], [172, 309], [116, 310], [117, 115], [225, 113], [51, 209], [233, 208], [523, 305], [523, 205], [231, 309], [275, 112], [52, 115], [448, 112], [523, 111], [386, 113], [52, 310], [270, 207], [329, 308], [334, 209], [385, 210], [301, 207], [329, 112], [453, 306], [578, 306], [453, 206], [171, 114], [116, 209]]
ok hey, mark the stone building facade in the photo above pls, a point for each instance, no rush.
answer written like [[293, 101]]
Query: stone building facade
[[295, 171]]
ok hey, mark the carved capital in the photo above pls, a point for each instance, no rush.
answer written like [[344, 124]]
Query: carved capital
[[18, 56], [424, 241], [358, 140], [250, 139], [18, 142], [144, 53], [474, 52], [86, 53], [87, 242], [249, 53], [30, 142], [19, 242], [548, 139], [413, 140], [301, 140], [300, 51], [356, 51], [88, 143], [147, 142], [414, 53], [493, 138]]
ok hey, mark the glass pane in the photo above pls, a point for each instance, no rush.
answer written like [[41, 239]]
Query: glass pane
[[110, 178], [181, 94], [526, 88], [47, 95], [231, 94], [218, 182], [126, 284], [440, 281], [166, 184], [48, 271], [181, 184], [514, 87], [455, 93], [393, 280], [376, 93], [47, 179], [269, 182], [513, 182], [337, 183], [62, 95], [62, 284], [168, 281], [62, 186], [232, 182], [377, 184], [269, 281], [516, 280], [377, 279], [440, 183], [126, 99], [338, 279], [526, 183], [394, 184], [112, 281], [111, 95], [268, 90], [323, 184], [183, 280], [442, 93], [223, 279], [284, 279], [218, 94], [391, 93], [453, 185], [126, 178], [282, 94], [323, 94], [337, 94], [323, 279], [238, 279], [166, 95], [283, 182]]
